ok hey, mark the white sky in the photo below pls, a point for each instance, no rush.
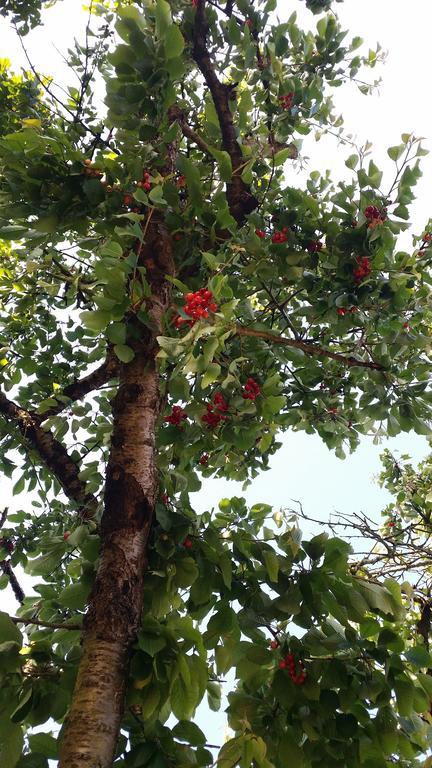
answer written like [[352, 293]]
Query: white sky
[[304, 469]]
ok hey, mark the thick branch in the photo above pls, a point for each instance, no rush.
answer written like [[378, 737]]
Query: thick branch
[[240, 200], [177, 115], [81, 387], [52, 453], [306, 347], [45, 624], [7, 569]]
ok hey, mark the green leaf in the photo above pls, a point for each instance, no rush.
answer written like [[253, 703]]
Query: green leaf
[[189, 732], [45, 744], [183, 699], [9, 632], [211, 375], [395, 152], [174, 42], [124, 353], [163, 18], [272, 564], [352, 161], [74, 596], [11, 744], [225, 565], [404, 696], [224, 163], [95, 320], [419, 656], [193, 179]]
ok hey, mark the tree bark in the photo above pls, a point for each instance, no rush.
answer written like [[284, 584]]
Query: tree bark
[[93, 723]]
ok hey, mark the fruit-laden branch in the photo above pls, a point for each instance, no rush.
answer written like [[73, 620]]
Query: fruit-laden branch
[[240, 200], [309, 348], [51, 453], [7, 569], [47, 624], [81, 387]]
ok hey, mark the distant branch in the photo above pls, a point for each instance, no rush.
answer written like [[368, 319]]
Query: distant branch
[[306, 347]]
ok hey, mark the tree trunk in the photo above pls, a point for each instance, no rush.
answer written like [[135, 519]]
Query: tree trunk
[[91, 730]]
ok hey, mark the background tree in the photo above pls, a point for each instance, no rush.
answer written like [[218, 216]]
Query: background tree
[[169, 305]]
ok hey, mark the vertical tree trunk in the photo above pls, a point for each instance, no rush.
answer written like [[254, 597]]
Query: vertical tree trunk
[[93, 722]]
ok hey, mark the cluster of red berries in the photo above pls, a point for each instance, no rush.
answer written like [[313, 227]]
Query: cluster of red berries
[[7, 544], [362, 270], [204, 459], [216, 411], [342, 311], [198, 305], [280, 237], [314, 246], [145, 183], [176, 416], [289, 663], [251, 390], [372, 212], [374, 215], [426, 239], [286, 101]]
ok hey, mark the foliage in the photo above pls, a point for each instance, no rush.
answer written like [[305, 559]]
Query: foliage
[[310, 299], [359, 700]]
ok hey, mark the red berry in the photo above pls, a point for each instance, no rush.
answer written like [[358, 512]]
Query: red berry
[[204, 459], [274, 644], [147, 186], [260, 233], [314, 246], [176, 416], [165, 498], [188, 543], [282, 664], [66, 535], [341, 311], [128, 200]]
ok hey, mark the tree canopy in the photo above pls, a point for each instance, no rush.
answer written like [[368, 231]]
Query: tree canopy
[[171, 301]]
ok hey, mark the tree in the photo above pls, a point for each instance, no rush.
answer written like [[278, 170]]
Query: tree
[[169, 306]]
